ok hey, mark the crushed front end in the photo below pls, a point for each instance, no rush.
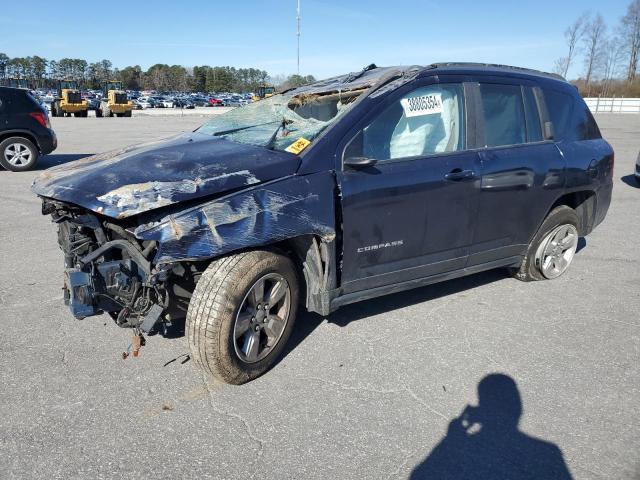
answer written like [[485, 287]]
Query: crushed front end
[[108, 270]]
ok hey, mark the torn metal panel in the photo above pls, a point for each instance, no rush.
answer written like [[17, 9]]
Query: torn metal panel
[[135, 180], [298, 205]]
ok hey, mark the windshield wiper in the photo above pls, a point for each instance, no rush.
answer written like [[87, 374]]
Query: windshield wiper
[[272, 139], [239, 129]]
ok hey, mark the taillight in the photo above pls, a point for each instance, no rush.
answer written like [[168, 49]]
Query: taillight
[[42, 119]]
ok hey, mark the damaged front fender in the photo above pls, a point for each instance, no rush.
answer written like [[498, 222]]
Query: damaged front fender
[[287, 208]]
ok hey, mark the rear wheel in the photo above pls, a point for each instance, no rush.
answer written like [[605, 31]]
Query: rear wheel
[[241, 314], [553, 247], [18, 154], [127, 113], [106, 110]]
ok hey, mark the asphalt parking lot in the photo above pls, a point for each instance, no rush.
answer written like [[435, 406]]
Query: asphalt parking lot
[[367, 392]]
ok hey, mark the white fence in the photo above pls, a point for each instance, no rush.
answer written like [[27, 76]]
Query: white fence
[[613, 105]]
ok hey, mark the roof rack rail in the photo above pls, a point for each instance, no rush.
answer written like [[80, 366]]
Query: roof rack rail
[[498, 66]]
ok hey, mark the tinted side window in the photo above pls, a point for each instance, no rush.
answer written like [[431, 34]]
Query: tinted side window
[[559, 106], [586, 127], [504, 119], [426, 121]]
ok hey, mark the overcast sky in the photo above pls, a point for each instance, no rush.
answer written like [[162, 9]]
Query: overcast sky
[[337, 36]]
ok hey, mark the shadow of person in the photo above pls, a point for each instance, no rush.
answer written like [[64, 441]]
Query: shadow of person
[[484, 442]]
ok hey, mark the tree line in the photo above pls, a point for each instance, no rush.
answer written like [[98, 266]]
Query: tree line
[[43, 73], [609, 54]]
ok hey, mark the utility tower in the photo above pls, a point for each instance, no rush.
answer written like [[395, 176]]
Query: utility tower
[[298, 34]]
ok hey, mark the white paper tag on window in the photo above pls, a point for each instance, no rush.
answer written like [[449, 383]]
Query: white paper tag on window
[[422, 105]]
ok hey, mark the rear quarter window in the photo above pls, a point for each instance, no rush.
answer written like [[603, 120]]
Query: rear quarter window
[[586, 127], [571, 118]]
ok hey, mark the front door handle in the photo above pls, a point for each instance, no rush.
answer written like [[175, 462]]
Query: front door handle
[[457, 174]]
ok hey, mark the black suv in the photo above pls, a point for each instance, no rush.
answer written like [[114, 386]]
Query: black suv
[[25, 131], [350, 188]]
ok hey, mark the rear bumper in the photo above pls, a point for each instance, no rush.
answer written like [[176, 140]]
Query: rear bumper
[[48, 143]]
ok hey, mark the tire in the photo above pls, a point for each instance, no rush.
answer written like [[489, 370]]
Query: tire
[[224, 295], [98, 112], [532, 267], [106, 110], [28, 154], [128, 113]]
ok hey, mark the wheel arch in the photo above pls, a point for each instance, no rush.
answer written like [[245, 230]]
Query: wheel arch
[[20, 133], [315, 260], [584, 204]]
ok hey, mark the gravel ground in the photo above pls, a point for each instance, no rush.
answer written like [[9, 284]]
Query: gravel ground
[[367, 392]]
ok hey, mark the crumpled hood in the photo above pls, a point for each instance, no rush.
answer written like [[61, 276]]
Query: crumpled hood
[[144, 177]]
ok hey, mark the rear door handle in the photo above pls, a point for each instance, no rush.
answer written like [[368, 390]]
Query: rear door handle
[[457, 174]]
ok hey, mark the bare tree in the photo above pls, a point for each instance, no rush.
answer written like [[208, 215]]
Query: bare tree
[[612, 59], [630, 32], [594, 38], [573, 34]]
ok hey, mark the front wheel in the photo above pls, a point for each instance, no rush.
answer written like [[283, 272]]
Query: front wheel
[[242, 313], [553, 247]]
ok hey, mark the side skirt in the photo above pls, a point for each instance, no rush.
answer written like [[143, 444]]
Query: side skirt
[[340, 300]]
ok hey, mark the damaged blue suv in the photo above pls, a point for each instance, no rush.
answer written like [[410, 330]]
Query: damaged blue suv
[[350, 188]]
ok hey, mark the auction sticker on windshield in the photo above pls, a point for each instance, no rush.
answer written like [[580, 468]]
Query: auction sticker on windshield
[[298, 146], [422, 105]]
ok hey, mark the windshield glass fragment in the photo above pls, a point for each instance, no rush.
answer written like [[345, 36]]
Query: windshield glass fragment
[[280, 121]]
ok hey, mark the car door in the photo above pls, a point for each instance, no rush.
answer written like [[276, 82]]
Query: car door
[[408, 187], [521, 171]]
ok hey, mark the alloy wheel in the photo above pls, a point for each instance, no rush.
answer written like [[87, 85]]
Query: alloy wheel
[[17, 154], [262, 318], [556, 251]]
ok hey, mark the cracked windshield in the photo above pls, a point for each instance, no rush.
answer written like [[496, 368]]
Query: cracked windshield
[[281, 122]]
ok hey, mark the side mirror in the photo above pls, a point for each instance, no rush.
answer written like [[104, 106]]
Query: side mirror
[[359, 162], [548, 131]]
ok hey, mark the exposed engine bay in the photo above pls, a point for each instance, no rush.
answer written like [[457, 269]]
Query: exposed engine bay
[[108, 270]]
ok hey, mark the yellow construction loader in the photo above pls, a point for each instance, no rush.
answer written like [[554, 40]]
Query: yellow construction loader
[[114, 101], [69, 101], [264, 91]]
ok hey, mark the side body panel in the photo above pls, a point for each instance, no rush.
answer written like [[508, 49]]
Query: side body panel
[[272, 212], [518, 186]]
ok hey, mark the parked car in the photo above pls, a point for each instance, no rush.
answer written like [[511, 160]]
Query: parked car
[[215, 102], [316, 199], [167, 102], [145, 102], [232, 102], [183, 103], [200, 101], [94, 103], [158, 102], [25, 130]]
